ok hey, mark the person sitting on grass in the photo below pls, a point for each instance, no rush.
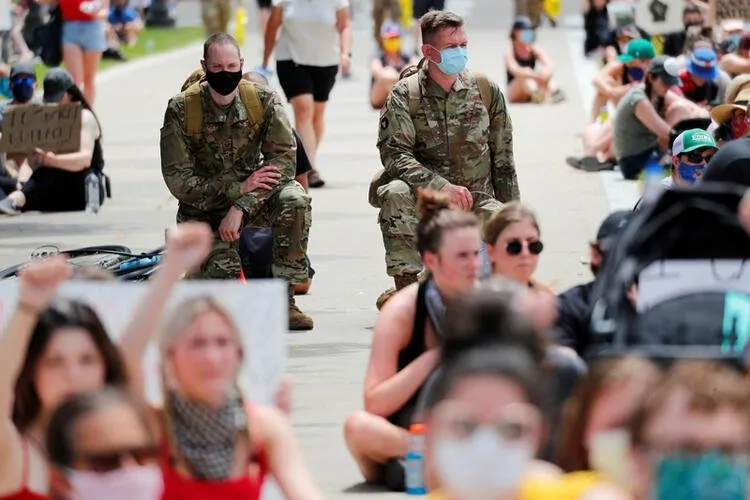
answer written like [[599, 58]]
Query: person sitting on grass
[[124, 25]]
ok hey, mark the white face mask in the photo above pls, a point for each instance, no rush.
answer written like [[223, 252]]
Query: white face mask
[[483, 465], [609, 454], [129, 483]]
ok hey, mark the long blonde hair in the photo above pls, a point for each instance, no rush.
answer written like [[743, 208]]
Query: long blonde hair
[[183, 315]]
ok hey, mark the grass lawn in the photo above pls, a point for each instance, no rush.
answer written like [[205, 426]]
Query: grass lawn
[[150, 41]]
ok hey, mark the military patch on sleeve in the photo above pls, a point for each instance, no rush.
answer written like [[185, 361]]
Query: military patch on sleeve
[[384, 123]]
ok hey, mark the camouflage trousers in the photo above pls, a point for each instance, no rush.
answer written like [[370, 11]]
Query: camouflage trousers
[[216, 15], [530, 8], [398, 222], [289, 216]]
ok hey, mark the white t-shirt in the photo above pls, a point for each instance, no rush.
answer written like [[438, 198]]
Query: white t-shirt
[[308, 32]]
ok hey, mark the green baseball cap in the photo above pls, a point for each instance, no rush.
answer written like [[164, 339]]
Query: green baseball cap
[[640, 48], [692, 139]]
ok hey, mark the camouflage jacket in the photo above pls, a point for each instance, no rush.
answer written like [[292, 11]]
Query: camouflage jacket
[[452, 138], [205, 176]]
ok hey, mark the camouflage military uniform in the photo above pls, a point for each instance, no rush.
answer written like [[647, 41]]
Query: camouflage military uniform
[[205, 178], [216, 15], [452, 138]]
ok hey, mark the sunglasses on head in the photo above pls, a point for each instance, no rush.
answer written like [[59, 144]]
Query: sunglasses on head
[[700, 156], [23, 80], [113, 460], [515, 247]]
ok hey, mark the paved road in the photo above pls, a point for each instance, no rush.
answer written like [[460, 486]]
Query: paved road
[[345, 245]]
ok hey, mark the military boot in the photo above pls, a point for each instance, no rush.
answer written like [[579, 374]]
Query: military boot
[[401, 282], [298, 321]]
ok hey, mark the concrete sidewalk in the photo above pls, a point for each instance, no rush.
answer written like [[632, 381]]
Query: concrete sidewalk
[[346, 247]]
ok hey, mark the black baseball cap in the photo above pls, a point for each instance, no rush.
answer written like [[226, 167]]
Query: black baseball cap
[[611, 228], [667, 69], [730, 164], [57, 81], [23, 68], [522, 23]]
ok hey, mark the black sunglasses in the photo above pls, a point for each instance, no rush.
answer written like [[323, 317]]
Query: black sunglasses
[[113, 460], [515, 247], [700, 156]]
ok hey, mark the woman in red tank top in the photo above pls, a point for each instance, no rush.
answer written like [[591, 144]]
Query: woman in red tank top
[[214, 445], [49, 352]]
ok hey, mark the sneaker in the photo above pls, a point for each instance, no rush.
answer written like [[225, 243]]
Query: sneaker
[[315, 180], [394, 475], [8, 207], [558, 96]]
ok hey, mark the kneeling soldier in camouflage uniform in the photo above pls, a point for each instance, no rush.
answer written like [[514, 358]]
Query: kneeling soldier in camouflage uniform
[[442, 128], [216, 135]]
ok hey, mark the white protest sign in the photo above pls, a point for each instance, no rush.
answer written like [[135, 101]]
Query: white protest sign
[[258, 308], [664, 280], [658, 17]]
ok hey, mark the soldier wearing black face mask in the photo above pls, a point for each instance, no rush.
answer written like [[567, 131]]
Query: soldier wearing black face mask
[[22, 86]]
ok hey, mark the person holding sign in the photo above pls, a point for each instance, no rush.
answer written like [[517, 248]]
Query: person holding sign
[[58, 181], [50, 351], [213, 443]]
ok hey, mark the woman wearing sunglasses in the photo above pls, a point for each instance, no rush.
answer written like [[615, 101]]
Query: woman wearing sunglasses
[[101, 446], [513, 243]]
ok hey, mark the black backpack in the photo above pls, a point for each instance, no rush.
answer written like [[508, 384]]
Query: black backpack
[[697, 224]]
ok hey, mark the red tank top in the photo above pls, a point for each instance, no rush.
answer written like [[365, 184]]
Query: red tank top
[[79, 10], [24, 493], [179, 487]]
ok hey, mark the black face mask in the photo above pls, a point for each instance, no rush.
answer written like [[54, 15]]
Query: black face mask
[[224, 82]]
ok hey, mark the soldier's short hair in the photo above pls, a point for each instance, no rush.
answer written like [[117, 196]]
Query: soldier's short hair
[[220, 39], [436, 20]]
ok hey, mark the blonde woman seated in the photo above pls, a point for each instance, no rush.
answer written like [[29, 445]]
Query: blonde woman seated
[[529, 68]]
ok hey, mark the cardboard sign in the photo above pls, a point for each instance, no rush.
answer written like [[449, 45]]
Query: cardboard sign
[[50, 127], [659, 17], [258, 309], [730, 9], [669, 279]]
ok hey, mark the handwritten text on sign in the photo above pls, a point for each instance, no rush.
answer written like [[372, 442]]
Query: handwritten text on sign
[[51, 127]]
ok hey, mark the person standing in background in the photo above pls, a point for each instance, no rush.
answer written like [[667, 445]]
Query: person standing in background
[[308, 59], [84, 41]]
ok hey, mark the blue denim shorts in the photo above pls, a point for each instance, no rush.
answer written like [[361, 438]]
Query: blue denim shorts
[[88, 35]]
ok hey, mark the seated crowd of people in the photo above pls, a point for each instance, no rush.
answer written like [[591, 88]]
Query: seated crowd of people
[[644, 100]]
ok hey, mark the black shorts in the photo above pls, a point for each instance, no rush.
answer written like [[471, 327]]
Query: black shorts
[[298, 79], [264, 4], [422, 7]]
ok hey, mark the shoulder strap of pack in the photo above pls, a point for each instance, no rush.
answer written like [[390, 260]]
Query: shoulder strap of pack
[[485, 89], [193, 110], [251, 100], [415, 93]]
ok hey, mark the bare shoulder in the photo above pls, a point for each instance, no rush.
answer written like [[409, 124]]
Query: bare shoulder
[[396, 318]]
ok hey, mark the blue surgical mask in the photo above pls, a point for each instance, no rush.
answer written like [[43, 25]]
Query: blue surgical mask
[[704, 476], [636, 74], [453, 60], [526, 36], [5, 87], [689, 172]]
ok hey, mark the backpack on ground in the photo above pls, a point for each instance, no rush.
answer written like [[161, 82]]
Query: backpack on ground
[[194, 104], [411, 75], [687, 253]]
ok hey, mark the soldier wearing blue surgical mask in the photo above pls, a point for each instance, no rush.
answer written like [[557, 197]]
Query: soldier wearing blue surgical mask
[[691, 435]]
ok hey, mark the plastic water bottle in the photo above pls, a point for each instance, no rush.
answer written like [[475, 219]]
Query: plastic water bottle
[[92, 193], [415, 461], [603, 114], [654, 177]]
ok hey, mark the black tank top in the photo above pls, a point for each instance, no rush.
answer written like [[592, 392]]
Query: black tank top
[[529, 62], [416, 347]]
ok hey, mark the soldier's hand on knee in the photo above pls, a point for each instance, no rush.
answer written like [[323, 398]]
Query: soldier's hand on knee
[[229, 229], [188, 245], [460, 196], [265, 177]]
